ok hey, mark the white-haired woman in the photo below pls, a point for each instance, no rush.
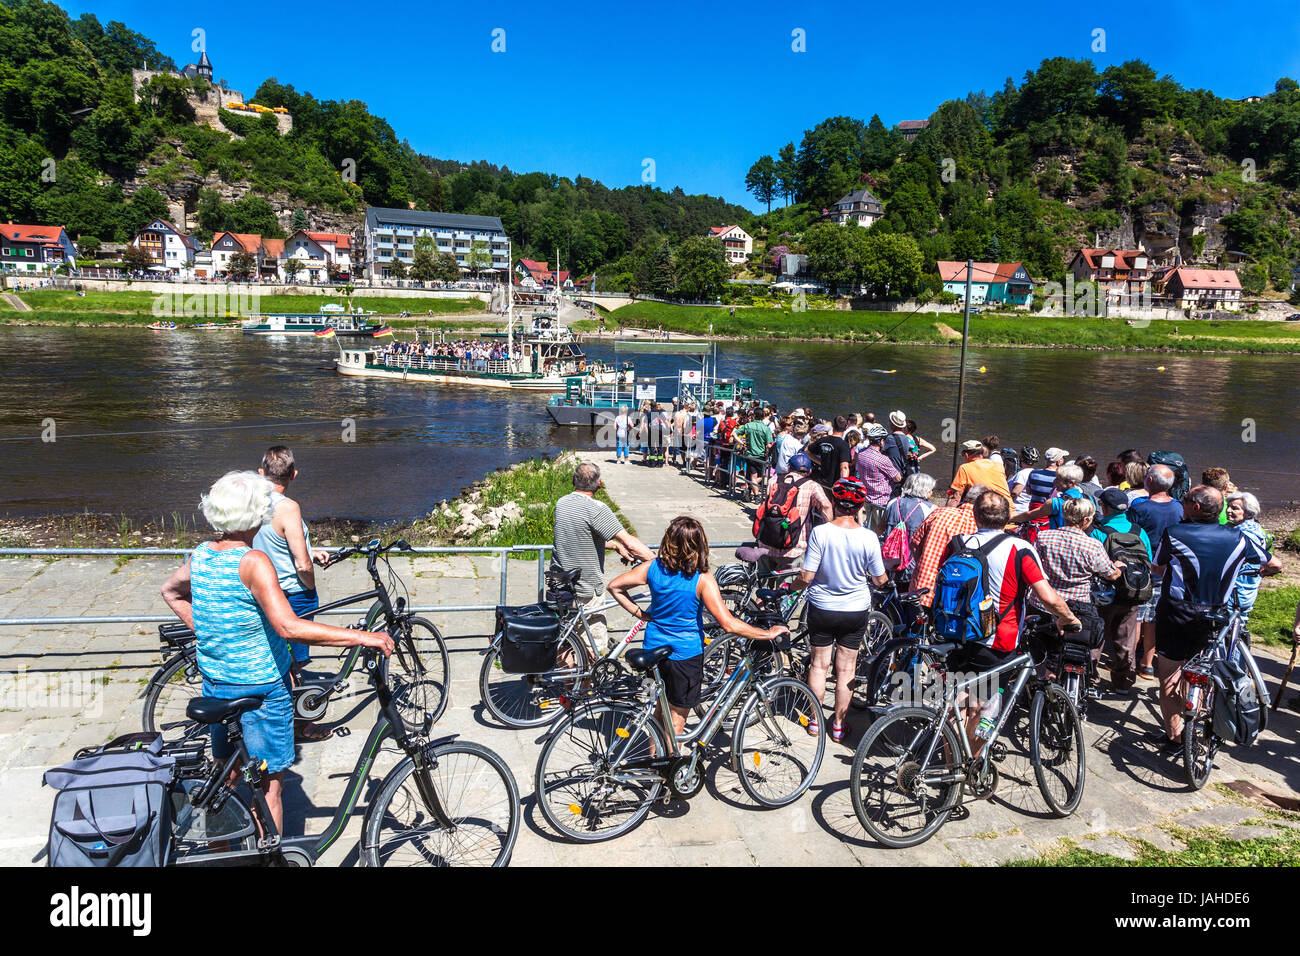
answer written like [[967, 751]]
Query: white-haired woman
[[229, 594], [910, 508], [1243, 514]]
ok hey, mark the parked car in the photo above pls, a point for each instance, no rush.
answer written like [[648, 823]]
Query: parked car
[[1293, 317]]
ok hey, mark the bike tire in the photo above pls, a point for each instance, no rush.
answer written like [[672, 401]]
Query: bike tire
[[781, 709], [559, 790], [1200, 745], [170, 689], [508, 697], [485, 829], [887, 661], [878, 633], [421, 675], [1055, 732], [879, 770]]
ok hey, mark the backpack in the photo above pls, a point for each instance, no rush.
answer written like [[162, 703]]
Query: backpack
[[1134, 584], [1237, 713], [778, 522], [114, 805], [964, 608], [897, 546], [1175, 462], [1010, 462]]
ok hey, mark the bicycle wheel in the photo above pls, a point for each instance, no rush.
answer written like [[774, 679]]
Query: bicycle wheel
[[584, 787], [772, 752], [529, 700], [478, 795], [1056, 749], [170, 690], [1200, 745], [420, 675], [879, 631], [900, 673]]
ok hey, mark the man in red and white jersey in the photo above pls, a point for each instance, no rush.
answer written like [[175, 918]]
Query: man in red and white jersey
[[1014, 572]]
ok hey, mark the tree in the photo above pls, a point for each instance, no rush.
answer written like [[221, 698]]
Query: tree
[[479, 257], [891, 264], [241, 265], [299, 219], [446, 268], [292, 266], [830, 254], [787, 172], [701, 266], [761, 180], [88, 246], [424, 264], [653, 274], [397, 269], [136, 259]]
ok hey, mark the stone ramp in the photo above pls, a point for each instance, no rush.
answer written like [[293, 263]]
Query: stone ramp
[[18, 304]]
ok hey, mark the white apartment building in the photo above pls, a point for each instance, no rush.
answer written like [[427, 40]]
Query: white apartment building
[[391, 235]]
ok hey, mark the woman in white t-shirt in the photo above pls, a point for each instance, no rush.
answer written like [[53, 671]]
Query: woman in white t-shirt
[[621, 425], [842, 561]]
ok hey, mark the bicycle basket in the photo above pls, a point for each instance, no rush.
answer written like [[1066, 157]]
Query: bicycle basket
[[530, 638]]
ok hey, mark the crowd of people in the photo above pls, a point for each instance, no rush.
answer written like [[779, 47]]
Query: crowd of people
[[468, 355]]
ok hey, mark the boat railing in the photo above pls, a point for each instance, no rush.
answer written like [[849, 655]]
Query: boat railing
[[444, 363]]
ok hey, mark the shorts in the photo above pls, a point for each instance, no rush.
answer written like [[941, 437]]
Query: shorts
[[844, 628], [1147, 612], [683, 680], [303, 604], [267, 731]]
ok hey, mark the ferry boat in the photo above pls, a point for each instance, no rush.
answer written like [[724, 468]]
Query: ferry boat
[[549, 357], [594, 404], [352, 324]]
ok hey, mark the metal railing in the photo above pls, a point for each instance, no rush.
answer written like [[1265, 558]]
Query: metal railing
[[502, 555]]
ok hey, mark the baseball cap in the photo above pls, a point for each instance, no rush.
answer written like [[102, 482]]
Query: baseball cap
[[1055, 454], [1114, 499], [972, 446], [898, 419]]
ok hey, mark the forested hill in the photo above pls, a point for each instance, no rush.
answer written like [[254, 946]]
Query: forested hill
[[1066, 157], [66, 95]]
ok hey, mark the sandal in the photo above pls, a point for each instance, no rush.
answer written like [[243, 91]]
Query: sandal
[[1147, 672], [311, 732], [814, 727], [838, 731]]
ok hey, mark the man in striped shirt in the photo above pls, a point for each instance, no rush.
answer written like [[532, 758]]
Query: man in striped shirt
[[933, 536]]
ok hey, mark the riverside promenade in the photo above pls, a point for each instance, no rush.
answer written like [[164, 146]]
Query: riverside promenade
[[69, 686]]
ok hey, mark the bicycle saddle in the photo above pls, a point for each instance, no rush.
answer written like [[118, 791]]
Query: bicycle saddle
[[214, 710], [748, 553], [642, 660], [769, 594], [564, 578]]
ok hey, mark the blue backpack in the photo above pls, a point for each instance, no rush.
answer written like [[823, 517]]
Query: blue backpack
[[964, 610]]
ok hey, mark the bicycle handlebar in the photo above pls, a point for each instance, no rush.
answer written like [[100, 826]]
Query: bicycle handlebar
[[372, 549]]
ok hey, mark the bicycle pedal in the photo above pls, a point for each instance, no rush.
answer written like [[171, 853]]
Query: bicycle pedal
[[342, 731]]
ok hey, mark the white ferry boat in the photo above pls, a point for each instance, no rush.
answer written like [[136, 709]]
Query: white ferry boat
[[355, 323]]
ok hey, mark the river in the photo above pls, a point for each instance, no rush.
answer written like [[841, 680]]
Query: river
[[145, 421]]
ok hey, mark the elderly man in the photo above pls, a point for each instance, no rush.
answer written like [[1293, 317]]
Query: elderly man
[[977, 469], [1068, 479], [933, 536], [1040, 481], [1155, 513], [1198, 561], [584, 528]]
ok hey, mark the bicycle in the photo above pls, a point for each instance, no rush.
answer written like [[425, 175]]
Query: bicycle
[[421, 654], [921, 757], [606, 762], [532, 700], [445, 799], [1200, 741], [1069, 662]]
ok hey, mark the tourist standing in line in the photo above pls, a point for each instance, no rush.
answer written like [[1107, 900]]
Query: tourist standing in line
[[622, 424], [977, 469], [287, 542]]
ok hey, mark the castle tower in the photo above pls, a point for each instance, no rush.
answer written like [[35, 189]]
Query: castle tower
[[205, 66]]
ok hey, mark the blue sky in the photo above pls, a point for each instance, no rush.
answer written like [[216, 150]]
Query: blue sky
[[702, 88]]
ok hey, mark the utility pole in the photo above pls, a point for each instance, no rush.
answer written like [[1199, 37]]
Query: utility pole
[[961, 374]]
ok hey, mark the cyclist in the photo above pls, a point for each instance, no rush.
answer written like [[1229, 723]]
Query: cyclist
[[842, 561], [812, 504], [1198, 561], [1014, 574], [681, 588], [229, 595], [1019, 490]]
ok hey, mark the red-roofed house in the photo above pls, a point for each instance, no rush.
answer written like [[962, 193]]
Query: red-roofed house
[[1203, 288], [992, 282], [26, 248], [1119, 273], [269, 264], [226, 245], [737, 242], [539, 274], [338, 246]]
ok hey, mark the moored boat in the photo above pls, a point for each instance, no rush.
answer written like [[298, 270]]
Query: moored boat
[[345, 323]]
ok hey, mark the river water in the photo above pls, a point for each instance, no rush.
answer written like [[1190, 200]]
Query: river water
[[145, 421]]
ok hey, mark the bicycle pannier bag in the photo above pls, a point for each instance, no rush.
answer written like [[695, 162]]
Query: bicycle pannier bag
[[778, 521], [530, 638], [113, 808], [964, 608], [1236, 703]]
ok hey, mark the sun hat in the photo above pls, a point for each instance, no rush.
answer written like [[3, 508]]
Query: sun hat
[[898, 419]]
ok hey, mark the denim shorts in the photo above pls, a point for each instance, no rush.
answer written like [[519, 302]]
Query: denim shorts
[[268, 730], [303, 604], [1147, 612]]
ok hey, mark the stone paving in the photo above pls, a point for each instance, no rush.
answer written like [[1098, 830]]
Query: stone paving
[[64, 687]]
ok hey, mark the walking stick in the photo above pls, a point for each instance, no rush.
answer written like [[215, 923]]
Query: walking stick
[[1277, 699]]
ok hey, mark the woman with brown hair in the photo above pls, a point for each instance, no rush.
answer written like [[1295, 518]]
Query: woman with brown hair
[[681, 587]]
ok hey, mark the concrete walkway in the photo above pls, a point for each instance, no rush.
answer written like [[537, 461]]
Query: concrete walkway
[[18, 304], [69, 687]]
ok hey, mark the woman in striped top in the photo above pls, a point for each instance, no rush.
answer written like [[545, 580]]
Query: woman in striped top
[[230, 596]]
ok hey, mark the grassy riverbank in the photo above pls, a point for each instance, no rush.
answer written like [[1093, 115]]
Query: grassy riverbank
[[136, 307], [509, 507], [1201, 848], [929, 328]]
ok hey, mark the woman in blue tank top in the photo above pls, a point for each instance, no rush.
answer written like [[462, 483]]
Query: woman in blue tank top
[[681, 587], [229, 595]]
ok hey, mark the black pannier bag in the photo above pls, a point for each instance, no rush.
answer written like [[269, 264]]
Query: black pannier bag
[[1237, 707], [530, 638]]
